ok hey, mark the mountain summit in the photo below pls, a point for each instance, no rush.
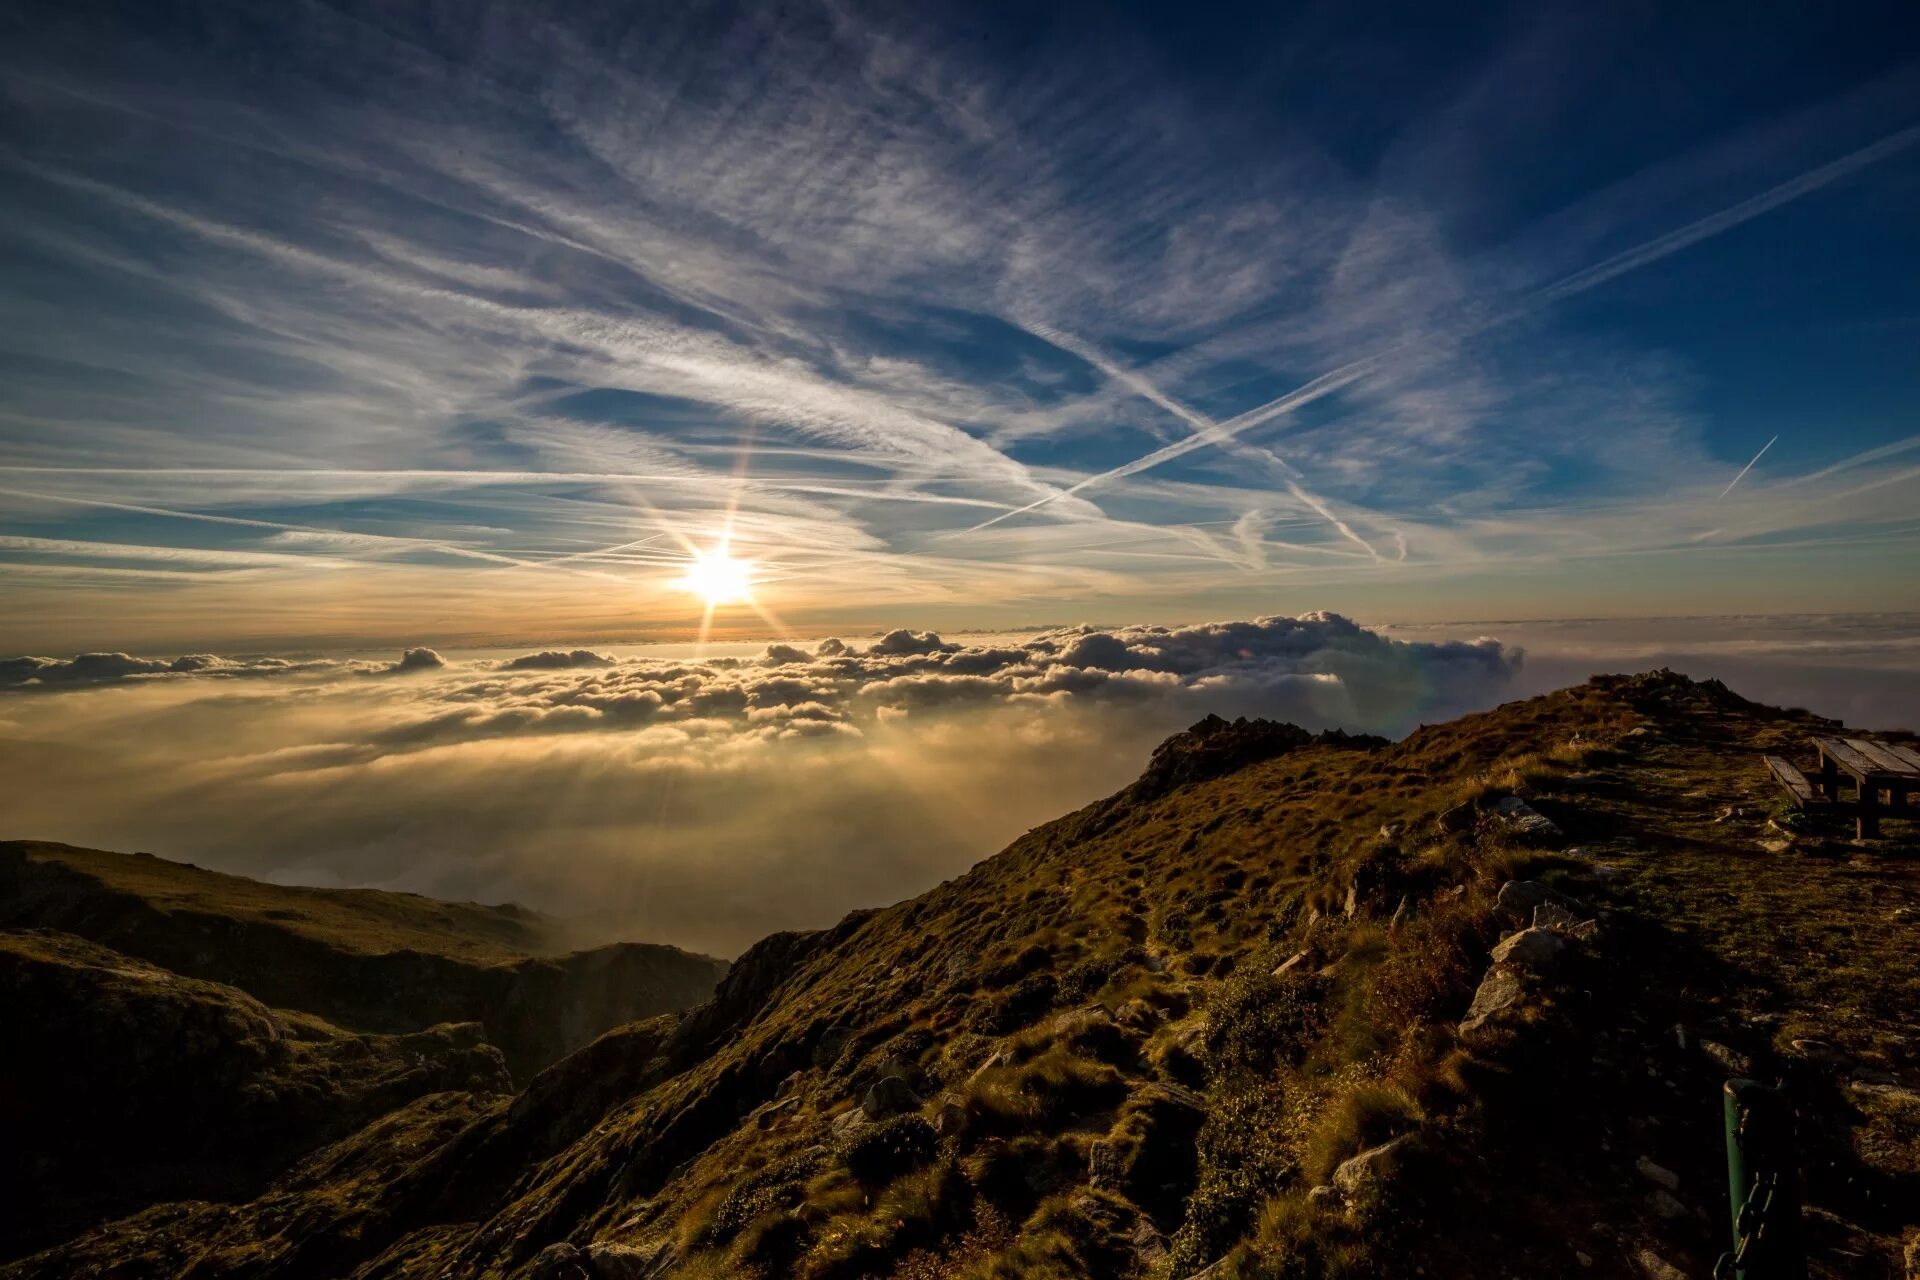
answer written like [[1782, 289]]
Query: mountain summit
[[1291, 1005]]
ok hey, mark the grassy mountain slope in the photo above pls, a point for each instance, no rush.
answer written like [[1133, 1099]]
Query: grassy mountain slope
[[125, 1084], [1242, 1019], [365, 959]]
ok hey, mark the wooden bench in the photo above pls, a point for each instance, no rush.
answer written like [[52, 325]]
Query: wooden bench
[[1796, 783]]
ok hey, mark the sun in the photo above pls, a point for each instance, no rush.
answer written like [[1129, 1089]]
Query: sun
[[718, 578]]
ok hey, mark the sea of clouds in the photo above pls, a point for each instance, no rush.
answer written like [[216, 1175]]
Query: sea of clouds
[[703, 800]]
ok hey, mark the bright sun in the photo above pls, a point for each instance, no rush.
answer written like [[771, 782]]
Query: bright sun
[[718, 578]]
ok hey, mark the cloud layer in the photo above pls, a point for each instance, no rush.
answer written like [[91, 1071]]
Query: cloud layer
[[703, 801]]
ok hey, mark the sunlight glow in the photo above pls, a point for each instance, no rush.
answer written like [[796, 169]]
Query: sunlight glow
[[716, 577]]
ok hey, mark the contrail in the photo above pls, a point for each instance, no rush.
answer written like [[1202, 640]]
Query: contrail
[[1640, 255], [1743, 471]]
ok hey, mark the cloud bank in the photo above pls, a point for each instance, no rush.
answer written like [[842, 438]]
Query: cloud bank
[[704, 801]]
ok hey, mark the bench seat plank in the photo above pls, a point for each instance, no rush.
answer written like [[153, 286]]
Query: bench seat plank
[[1794, 781]]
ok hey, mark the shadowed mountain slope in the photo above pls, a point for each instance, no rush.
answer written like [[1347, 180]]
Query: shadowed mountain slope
[[1291, 1006], [363, 958]]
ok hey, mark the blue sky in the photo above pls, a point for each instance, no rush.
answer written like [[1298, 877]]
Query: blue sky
[[335, 323]]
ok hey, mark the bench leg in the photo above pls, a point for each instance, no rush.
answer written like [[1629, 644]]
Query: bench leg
[[1867, 826]]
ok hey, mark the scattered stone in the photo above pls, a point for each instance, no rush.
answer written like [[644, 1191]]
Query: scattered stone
[[849, 1122], [1584, 1259], [788, 1085], [1820, 1051], [826, 1050], [949, 1114], [1525, 819], [1392, 830], [1775, 846], [1400, 912], [1455, 820], [774, 1112], [1357, 1173], [1149, 1246], [1538, 950], [560, 1262], [1139, 1014], [1498, 991], [1291, 963], [889, 1096], [1655, 1267], [632, 1262], [1657, 1174], [1731, 1060], [1106, 1167], [1518, 898], [1323, 1196], [1353, 900], [1664, 1204]]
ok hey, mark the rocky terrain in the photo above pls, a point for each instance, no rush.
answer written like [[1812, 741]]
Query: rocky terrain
[[1290, 1006]]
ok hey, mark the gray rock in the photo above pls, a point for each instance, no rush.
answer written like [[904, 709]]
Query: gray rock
[[949, 1114], [1455, 820], [849, 1122], [1524, 819], [1149, 1246], [632, 1262], [1664, 1204], [1323, 1196], [1106, 1166], [1357, 1173], [1820, 1051], [1657, 1174], [1499, 991], [1353, 900], [1655, 1267], [826, 1050], [889, 1096], [1730, 1060], [1518, 898], [774, 1112], [560, 1262], [1537, 950]]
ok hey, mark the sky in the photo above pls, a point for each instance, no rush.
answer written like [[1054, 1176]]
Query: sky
[[327, 325]]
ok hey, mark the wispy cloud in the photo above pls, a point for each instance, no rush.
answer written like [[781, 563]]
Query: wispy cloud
[[505, 323]]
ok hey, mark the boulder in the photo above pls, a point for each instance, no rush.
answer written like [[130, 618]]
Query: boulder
[[1655, 1267], [1499, 991], [1537, 950], [632, 1262], [1730, 1060], [949, 1114], [1524, 819], [1357, 1174], [560, 1262], [889, 1096], [1518, 898], [1455, 820], [1665, 1205], [1657, 1174]]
